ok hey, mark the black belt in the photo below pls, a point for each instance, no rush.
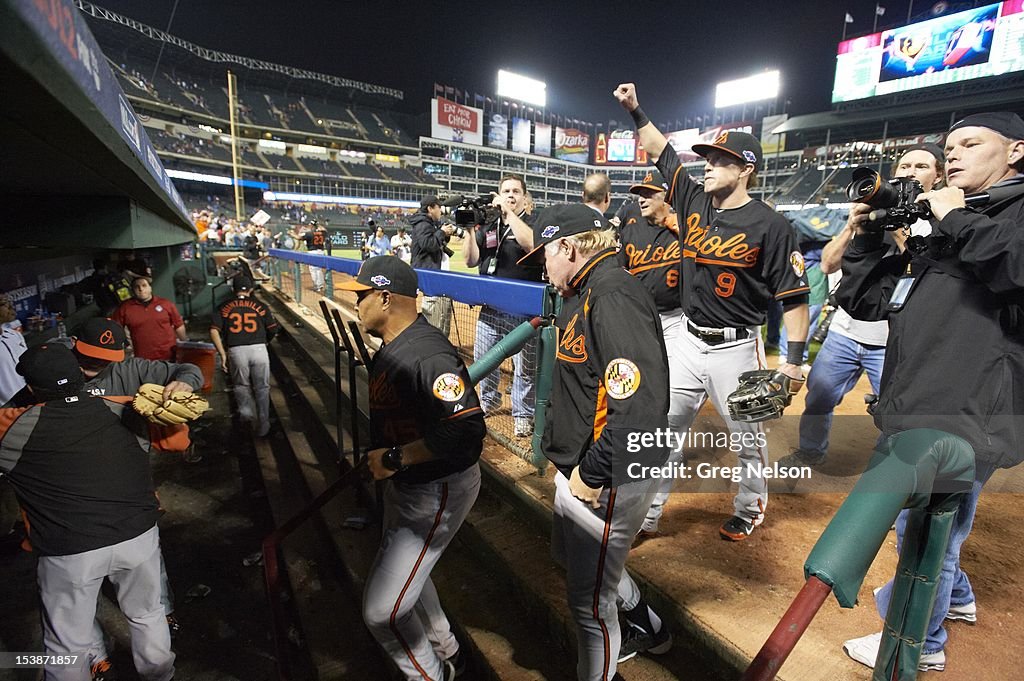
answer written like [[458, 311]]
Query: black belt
[[717, 336]]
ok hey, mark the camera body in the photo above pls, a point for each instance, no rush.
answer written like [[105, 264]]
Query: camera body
[[469, 212], [895, 201]]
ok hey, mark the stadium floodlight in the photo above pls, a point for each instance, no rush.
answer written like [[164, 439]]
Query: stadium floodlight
[[750, 89], [521, 88]]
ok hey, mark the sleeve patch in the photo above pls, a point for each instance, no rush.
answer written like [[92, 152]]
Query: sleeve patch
[[796, 260], [449, 387], [621, 378]]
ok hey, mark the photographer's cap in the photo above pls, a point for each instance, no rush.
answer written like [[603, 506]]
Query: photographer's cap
[[384, 273], [101, 339], [1006, 123], [652, 181], [429, 200], [742, 145], [51, 366], [559, 221]]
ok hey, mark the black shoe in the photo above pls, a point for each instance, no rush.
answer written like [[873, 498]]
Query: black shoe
[[458, 662], [799, 457], [736, 529], [639, 641]]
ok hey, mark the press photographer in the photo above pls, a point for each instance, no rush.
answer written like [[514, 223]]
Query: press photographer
[[955, 357], [493, 247], [429, 246]]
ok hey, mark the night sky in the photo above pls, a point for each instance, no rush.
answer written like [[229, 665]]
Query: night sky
[[675, 51]]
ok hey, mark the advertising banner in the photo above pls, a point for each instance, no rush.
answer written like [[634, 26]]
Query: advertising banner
[[521, 135], [771, 143], [542, 139], [683, 140], [456, 122], [497, 131], [572, 145]]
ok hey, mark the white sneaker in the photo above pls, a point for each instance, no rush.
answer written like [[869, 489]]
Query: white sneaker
[[865, 651], [963, 613], [523, 427]]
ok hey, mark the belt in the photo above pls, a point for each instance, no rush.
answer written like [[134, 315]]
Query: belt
[[717, 336]]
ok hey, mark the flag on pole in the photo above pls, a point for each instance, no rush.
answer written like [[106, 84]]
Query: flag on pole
[[879, 10], [849, 19]]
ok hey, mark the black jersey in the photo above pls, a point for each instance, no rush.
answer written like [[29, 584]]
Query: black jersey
[[735, 261], [316, 240], [650, 252], [419, 388], [499, 251], [244, 321]]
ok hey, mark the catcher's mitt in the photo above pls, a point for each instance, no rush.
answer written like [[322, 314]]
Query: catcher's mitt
[[762, 395], [181, 408]]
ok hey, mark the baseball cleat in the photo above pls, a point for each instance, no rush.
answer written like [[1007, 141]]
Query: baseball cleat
[[736, 528], [102, 670], [865, 651], [968, 612], [636, 640]]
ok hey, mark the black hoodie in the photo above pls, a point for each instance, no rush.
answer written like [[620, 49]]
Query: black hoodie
[[428, 241]]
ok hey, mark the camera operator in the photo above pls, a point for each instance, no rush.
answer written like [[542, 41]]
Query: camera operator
[[954, 294], [429, 246], [493, 248], [854, 346]]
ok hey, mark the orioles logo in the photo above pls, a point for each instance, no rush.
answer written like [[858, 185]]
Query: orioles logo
[[722, 139], [714, 250], [382, 393], [449, 387], [796, 260], [572, 347], [621, 378], [651, 256], [107, 337]]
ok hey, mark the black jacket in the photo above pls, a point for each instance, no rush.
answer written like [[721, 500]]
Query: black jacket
[[428, 242], [610, 384], [955, 357]]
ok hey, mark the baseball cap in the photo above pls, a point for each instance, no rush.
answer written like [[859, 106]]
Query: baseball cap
[[51, 366], [1006, 123], [429, 200], [241, 283], [559, 221], [101, 339], [384, 273], [653, 181], [742, 145]]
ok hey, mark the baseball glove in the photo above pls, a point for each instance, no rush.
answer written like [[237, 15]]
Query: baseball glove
[[181, 408], [762, 395]]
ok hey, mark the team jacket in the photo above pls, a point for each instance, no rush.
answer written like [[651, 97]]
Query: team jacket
[[419, 388], [650, 252], [125, 378], [611, 378], [955, 357], [245, 321], [735, 261], [81, 474]]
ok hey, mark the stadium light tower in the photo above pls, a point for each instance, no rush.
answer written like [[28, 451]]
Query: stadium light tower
[[750, 89], [521, 88]]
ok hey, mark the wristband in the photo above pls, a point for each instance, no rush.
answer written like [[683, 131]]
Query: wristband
[[639, 117], [795, 353]]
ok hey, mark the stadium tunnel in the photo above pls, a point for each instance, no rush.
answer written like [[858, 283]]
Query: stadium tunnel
[[81, 177]]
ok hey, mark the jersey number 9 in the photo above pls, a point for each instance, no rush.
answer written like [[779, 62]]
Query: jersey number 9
[[726, 284]]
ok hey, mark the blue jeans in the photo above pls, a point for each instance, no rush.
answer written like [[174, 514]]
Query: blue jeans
[[491, 326], [814, 314], [836, 370], [954, 587]]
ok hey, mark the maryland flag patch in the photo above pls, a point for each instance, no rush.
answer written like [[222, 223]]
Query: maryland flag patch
[[449, 387], [621, 379]]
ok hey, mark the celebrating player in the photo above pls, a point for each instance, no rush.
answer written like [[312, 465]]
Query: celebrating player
[[738, 255]]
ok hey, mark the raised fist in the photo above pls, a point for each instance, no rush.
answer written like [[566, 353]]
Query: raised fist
[[626, 94]]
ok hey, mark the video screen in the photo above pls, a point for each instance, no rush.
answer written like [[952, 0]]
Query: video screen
[[621, 150]]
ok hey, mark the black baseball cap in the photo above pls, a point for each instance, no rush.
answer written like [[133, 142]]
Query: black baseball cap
[[100, 339], [559, 221], [241, 283], [52, 366], [429, 200], [1006, 123], [742, 145], [384, 273], [653, 181]]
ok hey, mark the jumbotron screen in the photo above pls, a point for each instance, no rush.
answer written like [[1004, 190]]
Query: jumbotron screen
[[976, 43]]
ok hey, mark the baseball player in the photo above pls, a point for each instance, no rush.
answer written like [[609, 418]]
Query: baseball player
[[245, 326], [610, 385], [737, 256], [317, 241], [650, 251], [83, 480], [428, 429]]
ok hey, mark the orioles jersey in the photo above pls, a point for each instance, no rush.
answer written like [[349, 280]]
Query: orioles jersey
[[316, 240], [610, 383], [419, 388], [734, 261], [244, 321], [650, 252]]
